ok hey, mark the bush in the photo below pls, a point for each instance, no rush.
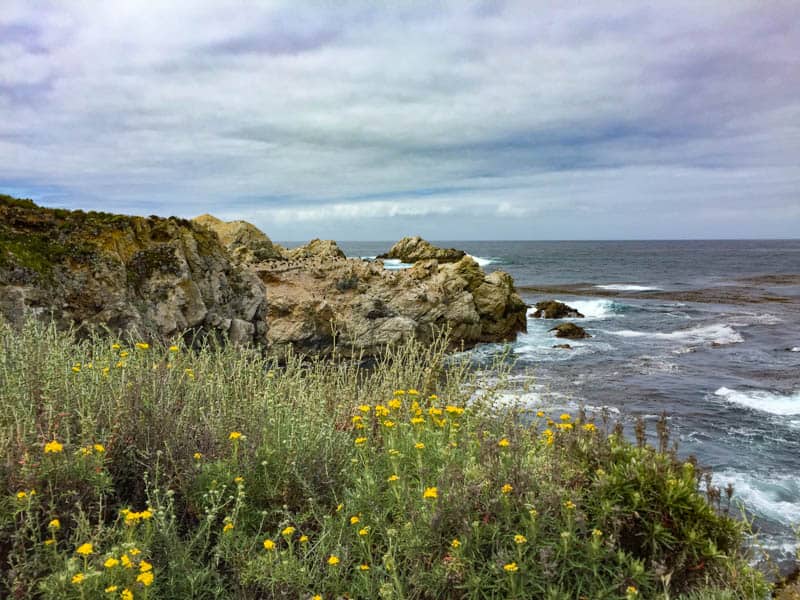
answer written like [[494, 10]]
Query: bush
[[155, 472]]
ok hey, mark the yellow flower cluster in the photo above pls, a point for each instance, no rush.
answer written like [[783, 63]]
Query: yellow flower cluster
[[53, 447], [133, 518], [430, 493]]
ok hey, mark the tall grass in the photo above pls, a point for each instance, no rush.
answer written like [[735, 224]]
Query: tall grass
[[136, 471]]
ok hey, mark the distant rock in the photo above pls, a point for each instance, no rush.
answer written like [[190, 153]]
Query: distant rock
[[570, 331], [563, 346], [245, 241], [552, 309], [316, 248], [413, 249]]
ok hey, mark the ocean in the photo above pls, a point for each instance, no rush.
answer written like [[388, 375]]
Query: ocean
[[706, 331]]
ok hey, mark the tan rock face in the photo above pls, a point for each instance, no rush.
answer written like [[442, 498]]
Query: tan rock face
[[166, 277], [412, 249]]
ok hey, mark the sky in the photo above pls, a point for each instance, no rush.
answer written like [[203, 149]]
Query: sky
[[375, 120]]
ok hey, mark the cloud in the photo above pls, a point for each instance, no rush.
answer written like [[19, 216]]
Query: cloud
[[365, 120]]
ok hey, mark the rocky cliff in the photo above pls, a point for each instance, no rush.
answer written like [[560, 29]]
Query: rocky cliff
[[167, 277]]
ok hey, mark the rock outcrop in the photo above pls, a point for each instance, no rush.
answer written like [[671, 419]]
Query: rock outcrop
[[552, 309], [165, 277], [570, 331], [412, 249], [149, 276]]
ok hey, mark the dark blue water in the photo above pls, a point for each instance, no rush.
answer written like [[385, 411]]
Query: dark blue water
[[708, 331]]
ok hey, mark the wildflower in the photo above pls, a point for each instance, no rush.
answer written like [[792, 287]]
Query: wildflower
[[533, 513], [126, 594], [145, 579], [565, 535], [111, 589], [361, 441], [115, 346], [99, 448], [431, 493], [507, 488], [631, 592], [106, 370], [197, 456], [288, 531], [76, 369], [419, 446], [399, 392], [413, 392], [392, 478], [85, 549], [269, 545], [357, 419], [303, 539], [434, 411], [363, 567], [228, 527], [520, 539], [600, 472], [174, 348], [433, 397], [49, 542], [86, 451], [511, 567], [78, 578], [455, 544], [22, 495], [235, 435], [142, 346], [55, 524], [110, 563], [145, 566], [126, 561], [339, 507], [365, 408], [135, 552], [381, 411], [565, 417], [504, 443], [388, 423], [123, 354], [590, 427], [316, 597], [454, 410], [238, 480], [363, 531], [53, 447], [394, 452], [333, 560], [417, 421], [354, 519], [395, 404], [569, 505], [564, 426]]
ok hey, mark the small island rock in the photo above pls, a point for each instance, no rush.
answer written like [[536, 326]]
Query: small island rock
[[553, 309], [412, 249], [570, 331]]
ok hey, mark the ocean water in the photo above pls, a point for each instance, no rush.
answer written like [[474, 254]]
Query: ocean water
[[708, 331]]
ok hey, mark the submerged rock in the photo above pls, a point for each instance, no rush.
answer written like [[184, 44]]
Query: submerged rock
[[552, 309], [570, 331], [563, 346], [412, 249]]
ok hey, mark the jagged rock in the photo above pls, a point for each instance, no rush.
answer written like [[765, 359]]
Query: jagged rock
[[563, 346], [412, 249], [145, 276], [570, 331], [552, 309], [164, 277]]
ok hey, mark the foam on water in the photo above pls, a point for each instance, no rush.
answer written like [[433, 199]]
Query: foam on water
[[481, 260], [711, 334], [395, 264], [764, 401], [596, 309], [623, 287], [772, 496], [795, 349]]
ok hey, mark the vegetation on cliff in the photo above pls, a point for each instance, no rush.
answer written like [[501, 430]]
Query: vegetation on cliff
[[145, 471]]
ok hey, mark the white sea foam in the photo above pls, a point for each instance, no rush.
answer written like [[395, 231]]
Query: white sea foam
[[623, 287], [776, 497], [764, 401], [712, 334], [481, 260], [596, 309], [795, 349], [395, 264]]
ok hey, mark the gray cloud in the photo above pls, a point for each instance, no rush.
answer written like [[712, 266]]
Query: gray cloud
[[455, 120]]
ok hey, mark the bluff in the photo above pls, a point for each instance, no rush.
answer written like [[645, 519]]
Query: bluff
[[165, 277]]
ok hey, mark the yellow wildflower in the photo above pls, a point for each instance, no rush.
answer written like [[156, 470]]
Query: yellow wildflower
[[419, 446], [269, 545], [631, 592], [110, 563], [99, 448], [53, 447], [504, 443], [145, 579], [339, 507], [590, 427], [145, 566], [569, 505], [123, 354], [111, 589], [126, 594], [142, 346], [76, 369], [433, 397], [235, 435], [135, 551], [365, 408], [596, 532], [417, 421], [49, 542], [126, 561], [399, 392], [507, 488], [520, 539], [565, 417], [455, 544], [316, 597], [106, 370], [381, 411], [197, 456], [85, 549], [388, 423], [454, 410], [431, 493], [86, 451], [115, 346], [361, 441], [434, 411], [228, 528], [363, 531], [78, 578], [363, 567], [22, 495], [395, 404], [392, 478], [333, 560], [288, 531], [238, 480], [511, 567], [413, 392], [303, 539], [174, 348], [357, 419], [354, 519]]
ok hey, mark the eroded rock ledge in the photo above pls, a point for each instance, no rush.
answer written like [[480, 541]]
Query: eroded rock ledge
[[167, 277]]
